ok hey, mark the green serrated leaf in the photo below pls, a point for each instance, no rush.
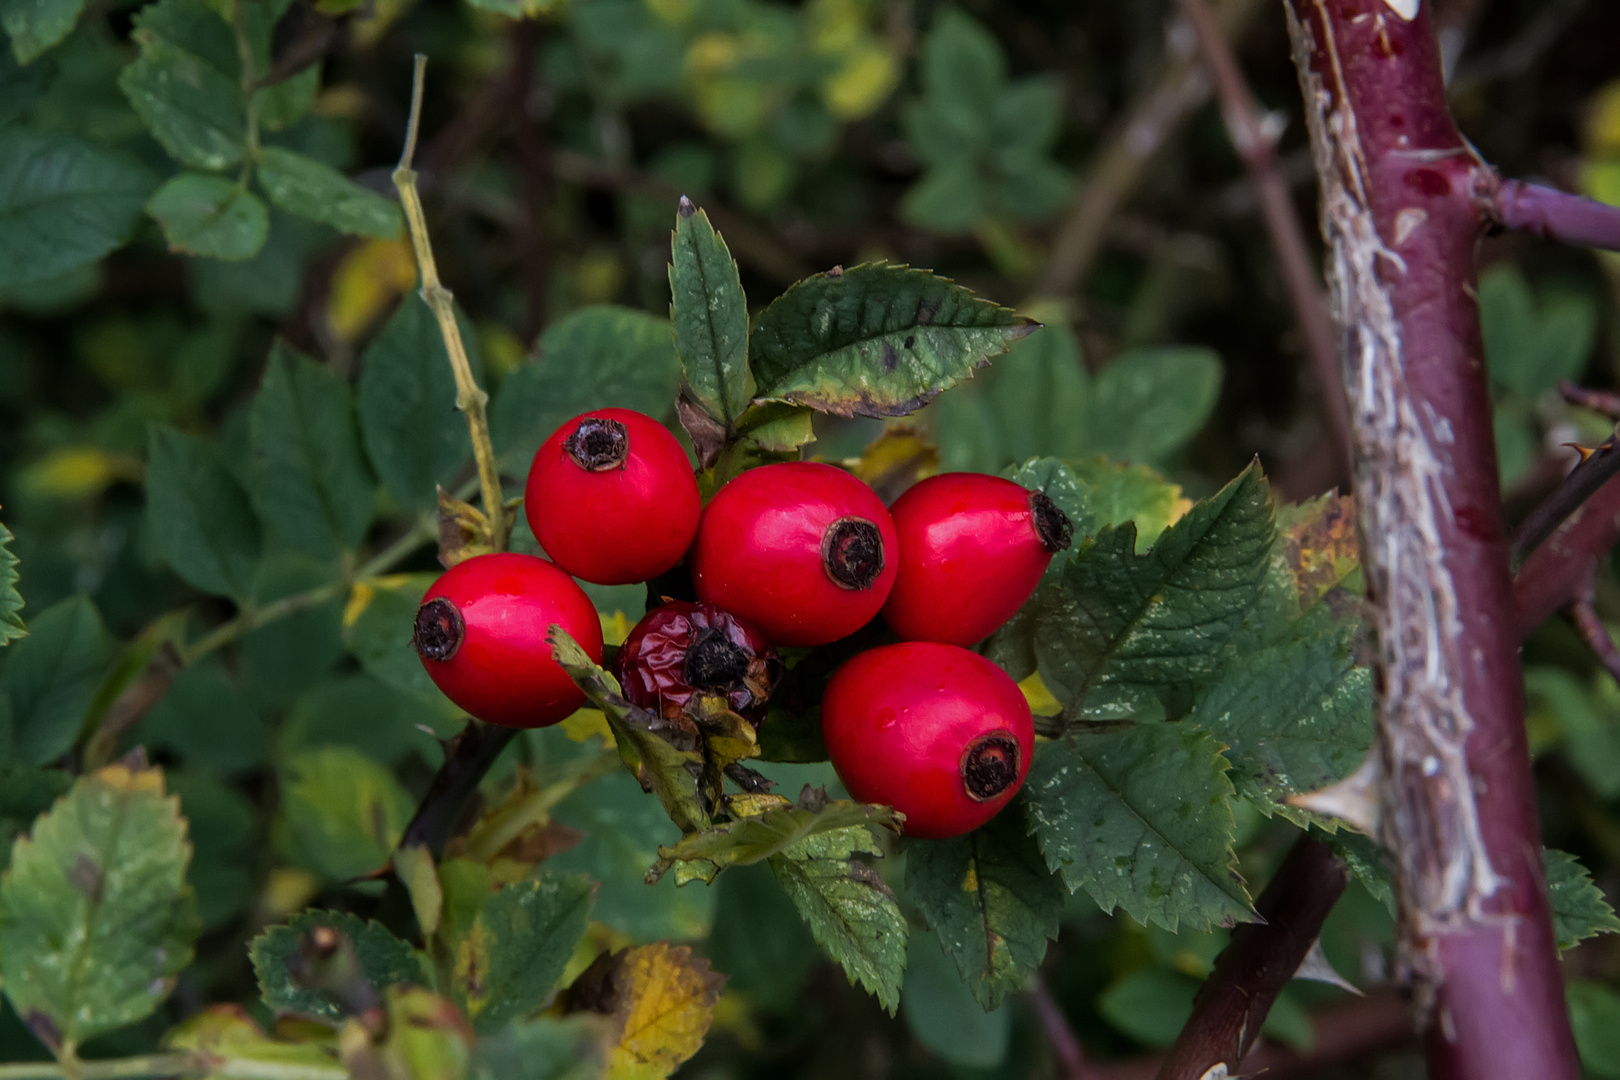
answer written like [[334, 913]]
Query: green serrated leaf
[[757, 838], [310, 481], [192, 103], [36, 25], [1150, 1005], [660, 754], [49, 680], [1117, 492], [515, 951], [590, 359], [878, 339], [849, 908], [287, 102], [210, 215], [1142, 820], [1579, 910], [1120, 629], [991, 901], [198, 518], [1149, 402], [344, 812], [384, 961], [1295, 716], [315, 190], [406, 397], [710, 314], [63, 203], [96, 919], [1035, 401], [224, 830], [11, 601]]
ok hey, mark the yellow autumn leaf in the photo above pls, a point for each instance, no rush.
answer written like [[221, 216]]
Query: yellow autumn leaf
[[666, 1004], [77, 472], [1041, 701], [865, 78], [366, 282]]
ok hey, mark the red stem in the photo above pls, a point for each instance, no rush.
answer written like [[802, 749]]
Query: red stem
[[1554, 214], [1402, 215], [1557, 572]]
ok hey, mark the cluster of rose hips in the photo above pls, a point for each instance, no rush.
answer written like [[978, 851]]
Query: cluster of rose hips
[[786, 555]]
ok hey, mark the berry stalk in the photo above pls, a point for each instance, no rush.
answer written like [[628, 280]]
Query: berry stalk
[[470, 397]]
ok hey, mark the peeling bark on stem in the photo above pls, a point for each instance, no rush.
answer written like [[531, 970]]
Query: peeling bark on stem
[[1401, 212]]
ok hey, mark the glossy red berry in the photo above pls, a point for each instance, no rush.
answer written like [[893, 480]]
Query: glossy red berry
[[481, 634], [935, 731], [681, 651], [972, 549], [805, 552], [611, 497]]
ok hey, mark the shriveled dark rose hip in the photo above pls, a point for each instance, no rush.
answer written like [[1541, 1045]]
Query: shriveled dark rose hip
[[681, 651]]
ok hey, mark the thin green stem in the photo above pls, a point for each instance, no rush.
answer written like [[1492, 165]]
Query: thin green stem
[[470, 397], [250, 94], [253, 618]]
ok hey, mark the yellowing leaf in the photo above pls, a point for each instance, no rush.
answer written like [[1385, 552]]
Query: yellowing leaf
[[1603, 122], [366, 282], [1039, 696], [666, 1004], [862, 82], [587, 724], [896, 459], [227, 1031], [77, 472], [415, 868]]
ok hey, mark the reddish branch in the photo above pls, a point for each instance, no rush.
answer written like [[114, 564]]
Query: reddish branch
[[1402, 211], [1550, 213], [1557, 572], [1246, 126], [1071, 1060], [1258, 962]]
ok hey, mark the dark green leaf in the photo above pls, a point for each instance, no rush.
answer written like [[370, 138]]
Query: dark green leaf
[[11, 601], [1591, 732], [591, 359], [1148, 402], [1119, 628], [63, 203], [311, 483], [344, 812], [1142, 820], [96, 919], [198, 518], [943, 1014], [658, 752], [319, 192], [407, 396], [223, 831], [1531, 346], [1594, 1013], [1151, 1005], [210, 215], [849, 908], [191, 100], [361, 711], [208, 720], [876, 340], [623, 827], [1295, 716], [284, 104], [1035, 401], [758, 939], [384, 961], [710, 314], [49, 680], [36, 25], [1579, 910], [515, 951], [544, 1048], [754, 839], [990, 899]]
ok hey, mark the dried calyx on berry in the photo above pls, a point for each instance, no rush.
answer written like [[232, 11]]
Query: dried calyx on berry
[[681, 652]]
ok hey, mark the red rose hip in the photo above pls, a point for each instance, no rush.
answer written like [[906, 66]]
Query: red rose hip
[[611, 497], [481, 634], [937, 732], [803, 551], [972, 550], [681, 651]]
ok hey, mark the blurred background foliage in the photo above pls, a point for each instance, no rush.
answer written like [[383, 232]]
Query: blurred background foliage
[[1004, 144]]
